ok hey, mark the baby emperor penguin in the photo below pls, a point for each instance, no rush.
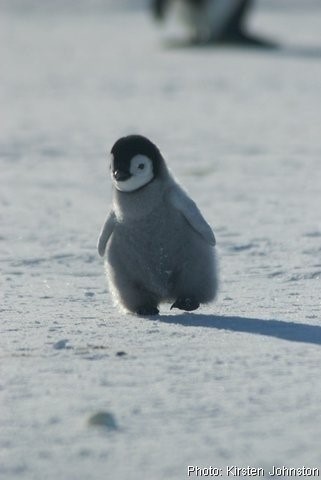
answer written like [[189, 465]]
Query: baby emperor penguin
[[159, 247]]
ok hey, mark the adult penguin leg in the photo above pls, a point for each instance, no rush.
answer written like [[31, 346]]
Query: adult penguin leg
[[235, 30], [236, 22]]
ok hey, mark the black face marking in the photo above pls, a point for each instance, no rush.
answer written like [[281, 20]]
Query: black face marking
[[127, 147]]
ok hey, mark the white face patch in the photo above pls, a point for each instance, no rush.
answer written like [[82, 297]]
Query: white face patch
[[141, 169]]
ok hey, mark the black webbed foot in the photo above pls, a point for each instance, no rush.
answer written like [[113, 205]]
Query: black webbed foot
[[147, 310], [186, 303]]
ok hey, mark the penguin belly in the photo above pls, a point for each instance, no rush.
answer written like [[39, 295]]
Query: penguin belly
[[162, 255]]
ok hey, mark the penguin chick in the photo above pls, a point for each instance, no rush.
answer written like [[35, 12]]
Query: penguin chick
[[158, 246]]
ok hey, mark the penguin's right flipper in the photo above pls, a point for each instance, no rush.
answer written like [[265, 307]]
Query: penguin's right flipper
[[183, 203], [105, 233]]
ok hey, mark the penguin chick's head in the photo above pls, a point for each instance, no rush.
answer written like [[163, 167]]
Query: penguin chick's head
[[135, 162]]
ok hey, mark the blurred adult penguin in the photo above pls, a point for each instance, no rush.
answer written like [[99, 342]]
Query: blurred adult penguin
[[213, 21], [158, 246]]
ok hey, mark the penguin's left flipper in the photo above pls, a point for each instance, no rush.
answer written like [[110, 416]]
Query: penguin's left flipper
[[105, 233], [182, 202]]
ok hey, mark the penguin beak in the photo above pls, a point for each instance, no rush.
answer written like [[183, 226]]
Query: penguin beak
[[120, 176]]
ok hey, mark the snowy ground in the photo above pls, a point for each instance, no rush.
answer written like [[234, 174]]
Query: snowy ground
[[237, 383]]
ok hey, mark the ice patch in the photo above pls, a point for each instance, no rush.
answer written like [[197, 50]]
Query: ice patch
[[62, 344], [103, 419]]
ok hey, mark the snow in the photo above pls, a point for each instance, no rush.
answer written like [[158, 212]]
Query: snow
[[235, 383]]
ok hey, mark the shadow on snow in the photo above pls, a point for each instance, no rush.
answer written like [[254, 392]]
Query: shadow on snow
[[304, 51], [294, 332]]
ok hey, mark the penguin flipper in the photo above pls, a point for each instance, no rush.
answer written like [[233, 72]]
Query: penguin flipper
[[184, 204], [105, 233], [159, 8]]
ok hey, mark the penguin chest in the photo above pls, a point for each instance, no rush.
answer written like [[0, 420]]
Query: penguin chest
[[149, 249], [155, 249]]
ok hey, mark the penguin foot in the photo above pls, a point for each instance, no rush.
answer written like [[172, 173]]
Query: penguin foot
[[244, 39], [147, 310], [186, 303]]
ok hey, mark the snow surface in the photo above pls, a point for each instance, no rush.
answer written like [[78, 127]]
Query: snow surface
[[87, 392]]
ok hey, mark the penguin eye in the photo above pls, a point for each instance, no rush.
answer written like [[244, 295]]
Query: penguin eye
[[140, 165]]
